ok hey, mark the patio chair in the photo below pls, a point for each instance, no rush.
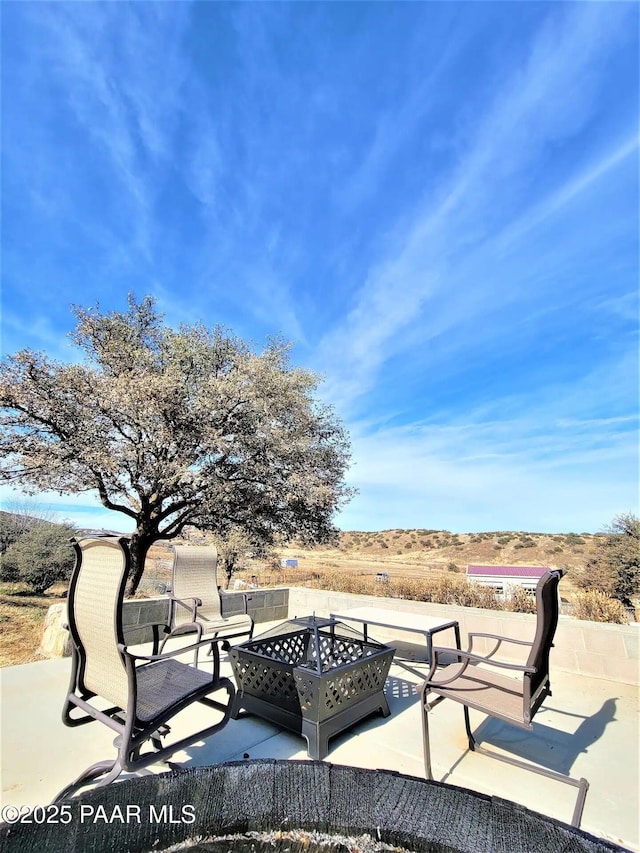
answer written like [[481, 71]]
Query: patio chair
[[143, 691], [197, 600], [509, 691]]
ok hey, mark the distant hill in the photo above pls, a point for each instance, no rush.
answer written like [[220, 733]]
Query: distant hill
[[416, 552]]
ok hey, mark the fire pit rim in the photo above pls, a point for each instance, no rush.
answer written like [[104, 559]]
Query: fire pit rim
[[270, 794]]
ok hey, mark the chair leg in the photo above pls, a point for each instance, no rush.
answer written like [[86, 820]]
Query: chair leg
[[425, 741], [467, 725], [581, 784], [109, 770]]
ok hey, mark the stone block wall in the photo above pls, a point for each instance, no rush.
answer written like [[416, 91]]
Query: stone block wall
[[597, 649], [264, 605], [589, 648]]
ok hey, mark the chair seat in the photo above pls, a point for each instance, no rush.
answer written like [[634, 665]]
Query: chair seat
[[161, 685], [486, 690]]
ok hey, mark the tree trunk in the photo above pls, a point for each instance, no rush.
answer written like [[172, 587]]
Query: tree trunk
[[138, 547]]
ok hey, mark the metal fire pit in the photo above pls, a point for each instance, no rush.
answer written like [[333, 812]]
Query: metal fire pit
[[313, 676]]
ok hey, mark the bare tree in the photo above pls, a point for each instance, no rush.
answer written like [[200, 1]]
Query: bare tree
[[233, 548], [174, 428]]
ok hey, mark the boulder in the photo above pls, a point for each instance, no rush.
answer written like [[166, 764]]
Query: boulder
[[56, 640]]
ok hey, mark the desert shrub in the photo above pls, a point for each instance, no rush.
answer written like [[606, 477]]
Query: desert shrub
[[408, 545], [42, 555], [384, 545], [596, 606], [525, 542], [8, 567], [12, 526], [347, 582], [453, 567], [520, 601], [465, 594], [447, 590], [415, 589]]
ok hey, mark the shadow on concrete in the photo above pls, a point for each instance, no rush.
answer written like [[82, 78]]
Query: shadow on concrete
[[547, 746], [400, 693]]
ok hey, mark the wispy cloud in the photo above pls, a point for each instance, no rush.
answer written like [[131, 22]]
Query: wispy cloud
[[409, 294], [124, 111], [528, 468], [437, 202]]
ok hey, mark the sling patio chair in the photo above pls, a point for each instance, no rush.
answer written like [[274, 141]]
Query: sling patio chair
[[144, 691], [197, 600], [508, 691]]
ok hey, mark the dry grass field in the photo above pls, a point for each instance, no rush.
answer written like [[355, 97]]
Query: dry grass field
[[421, 554], [403, 554], [21, 621]]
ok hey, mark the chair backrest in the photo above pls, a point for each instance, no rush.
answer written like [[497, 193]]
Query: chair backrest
[[547, 610], [195, 576], [95, 615]]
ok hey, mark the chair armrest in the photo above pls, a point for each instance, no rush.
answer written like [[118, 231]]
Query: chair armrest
[[464, 659], [197, 602], [166, 655], [190, 604], [131, 657], [499, 641], [470, 657], [155, 626], [246, 598]]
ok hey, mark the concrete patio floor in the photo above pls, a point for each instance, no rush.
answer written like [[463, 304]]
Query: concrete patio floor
[[589, 727]]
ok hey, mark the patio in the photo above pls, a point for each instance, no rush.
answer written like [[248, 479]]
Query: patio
[[589, 727]]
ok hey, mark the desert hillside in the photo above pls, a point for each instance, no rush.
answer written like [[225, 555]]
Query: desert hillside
[[418, 553], [404, 554]]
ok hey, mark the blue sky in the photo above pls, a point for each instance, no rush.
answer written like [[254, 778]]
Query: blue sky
[[436, 202]]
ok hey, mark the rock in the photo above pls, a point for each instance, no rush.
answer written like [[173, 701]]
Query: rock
[[56, 640]]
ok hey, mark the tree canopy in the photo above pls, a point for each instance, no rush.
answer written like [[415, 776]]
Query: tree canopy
[[614, 567], [173, 428]]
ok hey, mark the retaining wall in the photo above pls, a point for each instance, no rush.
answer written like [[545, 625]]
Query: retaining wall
[[597, 649], [264, 605]]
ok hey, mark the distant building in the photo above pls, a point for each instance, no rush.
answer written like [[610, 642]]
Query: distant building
[[503, 578], [289, 564], [382, 577]]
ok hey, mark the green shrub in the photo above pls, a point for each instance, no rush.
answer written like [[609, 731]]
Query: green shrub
[[42, 555], [595, 606], [525, 542], [614, 567], [8, 567]]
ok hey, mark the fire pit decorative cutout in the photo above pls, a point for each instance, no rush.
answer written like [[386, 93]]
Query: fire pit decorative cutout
[[311, 675]]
